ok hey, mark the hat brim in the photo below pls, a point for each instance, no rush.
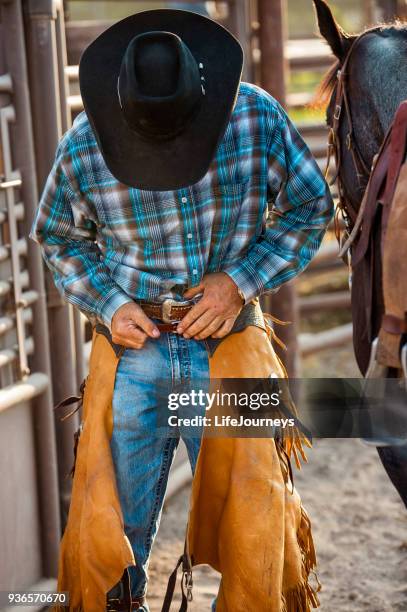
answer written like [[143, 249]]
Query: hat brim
[[152, 164]]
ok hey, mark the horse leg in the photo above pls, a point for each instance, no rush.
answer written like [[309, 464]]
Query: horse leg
[[394, 459]]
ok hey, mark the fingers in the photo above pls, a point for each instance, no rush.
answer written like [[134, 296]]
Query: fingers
[[129, 344], [131, 327], [147, 325], [201, 324], [209, 330], [195, 312], [193, 291], [224, 329], [131, 337]]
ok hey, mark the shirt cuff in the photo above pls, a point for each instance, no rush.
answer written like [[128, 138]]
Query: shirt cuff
[[107, 307], [244, 275]]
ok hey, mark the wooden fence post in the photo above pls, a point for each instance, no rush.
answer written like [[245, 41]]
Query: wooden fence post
[[389, 9], [273, 71]]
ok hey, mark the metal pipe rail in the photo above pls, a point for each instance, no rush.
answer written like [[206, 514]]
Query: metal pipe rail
[[21, 248], [7, 285], [29, 297], [18, 210], [9, 355], [5, 288], [7, 116], [330, 338], [6, 83], [8, 323], [324, 301], [23, 391]]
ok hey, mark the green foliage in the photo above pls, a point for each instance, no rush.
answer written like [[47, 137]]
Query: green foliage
[[302, 21]]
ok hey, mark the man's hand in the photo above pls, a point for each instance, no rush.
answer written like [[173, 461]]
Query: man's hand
[[216, 311], [131, 327]]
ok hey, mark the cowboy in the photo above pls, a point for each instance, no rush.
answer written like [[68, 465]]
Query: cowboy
[[176, 199]]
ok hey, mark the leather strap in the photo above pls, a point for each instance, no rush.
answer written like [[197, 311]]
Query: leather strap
[[397, 152], [118, 605], [368, 206], [160, 311], [167, 327], [334, 144], [394, 325], [186, 584], [368, 212], [119, 597]]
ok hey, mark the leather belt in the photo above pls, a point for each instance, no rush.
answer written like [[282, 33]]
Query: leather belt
[[167, 327], [168, 312]]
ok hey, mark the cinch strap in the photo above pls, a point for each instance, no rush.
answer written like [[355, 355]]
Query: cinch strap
[[186, 585]]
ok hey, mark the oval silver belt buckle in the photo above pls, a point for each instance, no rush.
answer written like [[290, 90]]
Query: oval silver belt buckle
[[166, 310]]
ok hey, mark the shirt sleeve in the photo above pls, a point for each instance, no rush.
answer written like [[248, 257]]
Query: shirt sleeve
[[300, 208], [65, 228]]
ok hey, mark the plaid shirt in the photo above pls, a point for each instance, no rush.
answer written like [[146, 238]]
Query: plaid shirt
[[259, 214]]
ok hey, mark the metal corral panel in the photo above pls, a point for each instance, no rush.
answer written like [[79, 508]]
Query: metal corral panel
[[29, 508], [19, 517]]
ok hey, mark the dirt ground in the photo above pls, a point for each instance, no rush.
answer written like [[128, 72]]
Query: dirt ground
[[359, 524]]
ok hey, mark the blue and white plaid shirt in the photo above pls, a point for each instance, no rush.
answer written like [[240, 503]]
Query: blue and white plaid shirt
[[259, 214]]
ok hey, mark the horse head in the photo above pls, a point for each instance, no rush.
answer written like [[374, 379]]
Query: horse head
[[376, 82]]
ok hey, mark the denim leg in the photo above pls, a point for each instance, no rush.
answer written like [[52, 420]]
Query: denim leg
[[194, 373], [142, 454]]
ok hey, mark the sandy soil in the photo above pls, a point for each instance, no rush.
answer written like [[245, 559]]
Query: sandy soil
[[360, 530], [360, 525]]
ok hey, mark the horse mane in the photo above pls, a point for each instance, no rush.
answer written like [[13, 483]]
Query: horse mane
[[325, 89]]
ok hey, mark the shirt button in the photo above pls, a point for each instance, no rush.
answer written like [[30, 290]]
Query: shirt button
[[189, 236], [184, 200], [194, 271]]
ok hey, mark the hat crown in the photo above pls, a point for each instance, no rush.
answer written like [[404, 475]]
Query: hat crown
[[159, 85], [157, 64]]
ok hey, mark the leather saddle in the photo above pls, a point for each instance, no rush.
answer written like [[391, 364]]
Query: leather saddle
[[377, 309]]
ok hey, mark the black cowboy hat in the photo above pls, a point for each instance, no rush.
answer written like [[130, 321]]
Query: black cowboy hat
[[158, 88]]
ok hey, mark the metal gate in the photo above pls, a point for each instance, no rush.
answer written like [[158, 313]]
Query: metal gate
[[29, 506]]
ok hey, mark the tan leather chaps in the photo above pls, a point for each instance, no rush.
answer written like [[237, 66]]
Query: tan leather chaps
[[246, 519]]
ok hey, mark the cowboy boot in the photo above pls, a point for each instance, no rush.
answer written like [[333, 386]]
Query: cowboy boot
[[119, 597], [119, 605]]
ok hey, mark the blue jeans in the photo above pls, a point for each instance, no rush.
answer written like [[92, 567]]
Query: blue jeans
[[143, 444]]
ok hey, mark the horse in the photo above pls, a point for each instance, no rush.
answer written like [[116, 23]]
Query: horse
[[375, 63]]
